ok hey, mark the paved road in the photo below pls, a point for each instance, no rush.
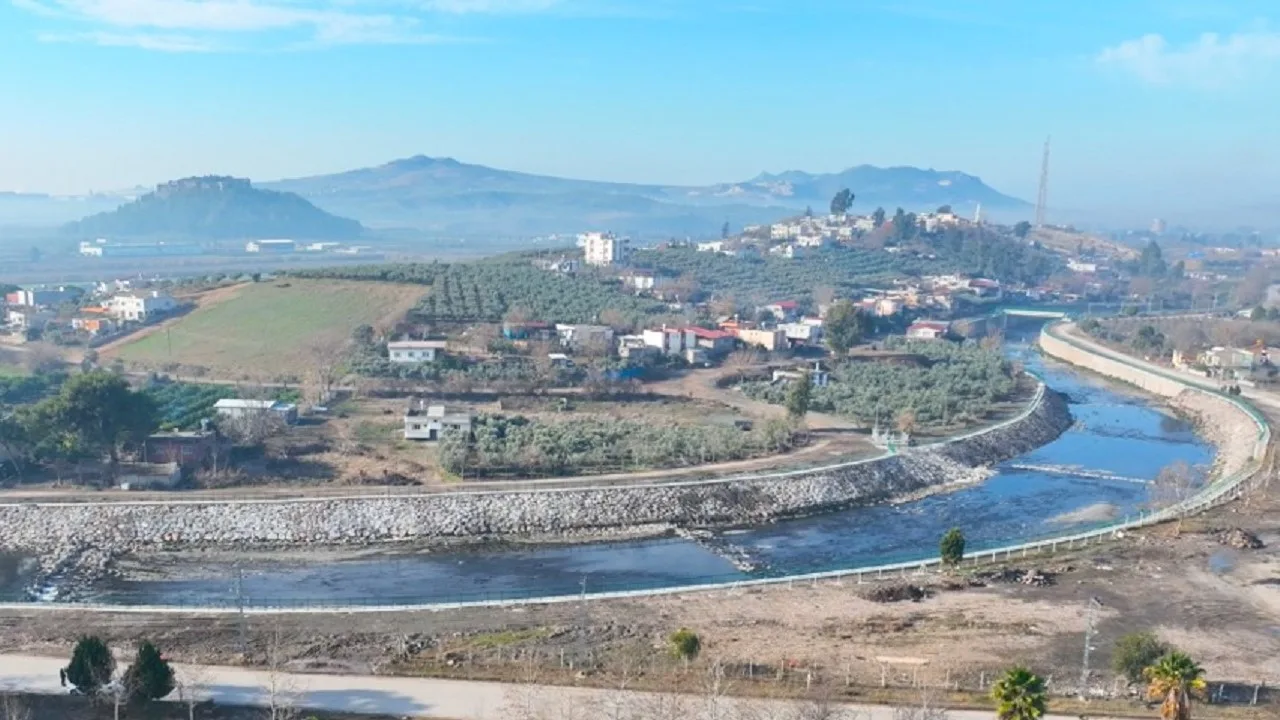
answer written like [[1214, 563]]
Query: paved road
[[455, 699]]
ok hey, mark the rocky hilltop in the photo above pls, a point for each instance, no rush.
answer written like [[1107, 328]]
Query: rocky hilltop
[[216, 208]]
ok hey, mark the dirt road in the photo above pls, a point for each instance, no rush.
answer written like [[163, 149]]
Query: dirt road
[[459, 700]]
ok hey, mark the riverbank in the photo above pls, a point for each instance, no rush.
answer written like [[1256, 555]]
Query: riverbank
[[77, 543]]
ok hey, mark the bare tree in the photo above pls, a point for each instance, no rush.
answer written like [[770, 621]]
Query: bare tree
[[1175, 484], [13, 707], [928, 709], [325, 356], [739, 361], [190, 686], [281, 692]]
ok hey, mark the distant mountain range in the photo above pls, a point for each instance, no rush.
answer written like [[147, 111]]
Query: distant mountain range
[[442, 196], [216, 208], [450, 197]]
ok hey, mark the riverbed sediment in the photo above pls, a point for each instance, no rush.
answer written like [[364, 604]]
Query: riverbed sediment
[[76, 543]]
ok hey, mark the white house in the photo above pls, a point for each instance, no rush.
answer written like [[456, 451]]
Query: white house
[[791, 251], [865, 223], [802, 332], [602, 248], [928, 330], [670, 341], [712, 246], [140, 307], [818, 376], [415, 351], [432, 422]]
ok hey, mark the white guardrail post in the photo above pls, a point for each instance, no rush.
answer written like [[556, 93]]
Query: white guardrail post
[[1216, 492]]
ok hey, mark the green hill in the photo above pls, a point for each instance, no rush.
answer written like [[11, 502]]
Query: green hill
[[217, 208]]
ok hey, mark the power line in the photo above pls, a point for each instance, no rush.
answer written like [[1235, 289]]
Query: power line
[[1042, 199]]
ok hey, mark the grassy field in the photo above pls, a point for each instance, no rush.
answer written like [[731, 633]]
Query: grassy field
[[263, 331]]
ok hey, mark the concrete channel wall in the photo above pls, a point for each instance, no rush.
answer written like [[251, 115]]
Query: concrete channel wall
[[1046, 417], [77, 541]]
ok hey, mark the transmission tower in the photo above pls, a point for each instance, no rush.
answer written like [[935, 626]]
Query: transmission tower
[[1042, 199]]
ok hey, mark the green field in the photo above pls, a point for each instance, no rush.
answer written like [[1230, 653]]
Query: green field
[[265, 331]]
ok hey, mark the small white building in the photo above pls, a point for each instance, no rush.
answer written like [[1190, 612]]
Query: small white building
[[670, 341], [802, 332], [238, 409], [413, 352], [432, 422], [584, 336], [270, 246], [928, 330], [140, 306], [817, 375], [602, 248]]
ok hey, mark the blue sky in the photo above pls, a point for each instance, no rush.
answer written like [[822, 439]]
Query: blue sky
[[1152, 104]]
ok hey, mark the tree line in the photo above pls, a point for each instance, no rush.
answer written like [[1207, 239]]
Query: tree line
[[517, 445], [956, 382]]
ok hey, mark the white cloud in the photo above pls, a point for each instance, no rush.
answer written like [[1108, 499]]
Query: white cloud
[[1212, 61], [206, 25]]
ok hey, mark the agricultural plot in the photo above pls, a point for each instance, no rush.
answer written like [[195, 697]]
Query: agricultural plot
[[267, 331]]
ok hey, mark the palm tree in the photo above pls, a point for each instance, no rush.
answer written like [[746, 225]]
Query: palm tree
[[1175, 678], [1019, 695]]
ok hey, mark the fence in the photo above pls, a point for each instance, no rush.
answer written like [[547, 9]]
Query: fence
[[1220, 491]]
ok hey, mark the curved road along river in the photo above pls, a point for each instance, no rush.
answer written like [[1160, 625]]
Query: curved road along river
[[454, 699]]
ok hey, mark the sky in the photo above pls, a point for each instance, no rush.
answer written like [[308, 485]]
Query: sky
[[1155, 107]]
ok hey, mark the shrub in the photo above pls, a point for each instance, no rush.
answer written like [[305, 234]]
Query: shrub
[[1135, 652], [685, 644], [951, 547]]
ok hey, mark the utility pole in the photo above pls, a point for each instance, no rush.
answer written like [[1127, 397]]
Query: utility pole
[[1090, 630], [1042, 198], [244, 633]]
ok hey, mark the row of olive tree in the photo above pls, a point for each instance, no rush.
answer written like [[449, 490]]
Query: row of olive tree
[[515, 444], [954, 382]]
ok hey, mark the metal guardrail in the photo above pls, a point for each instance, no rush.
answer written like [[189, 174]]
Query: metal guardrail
[[549, 485], [1218, 492]]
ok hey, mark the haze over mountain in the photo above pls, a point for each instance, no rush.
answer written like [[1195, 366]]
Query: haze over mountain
[[216, 208], [447, 196], [442, 196]]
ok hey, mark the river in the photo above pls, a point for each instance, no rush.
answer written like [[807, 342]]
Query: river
[[1116, 432]]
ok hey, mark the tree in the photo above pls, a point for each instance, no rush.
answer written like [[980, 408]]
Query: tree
[[842, 201], [91, 665], [808, 211], [906, 421], [1019, 695], [685, 644], [724, 231], [149, 677], [35, 254], [799, 395], [1135, 652], [951, 547], [943, 210], [877, 217], [1175, 678], [362, 335], [1258, 313], [104, 412], [1151, 262], [1252, 289], [843, 326], [739, 361], [1022, 229]]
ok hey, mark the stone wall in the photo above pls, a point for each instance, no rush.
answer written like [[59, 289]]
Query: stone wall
[[81, 539]]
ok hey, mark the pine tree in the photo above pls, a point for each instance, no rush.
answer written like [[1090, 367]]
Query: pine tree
[[91, 665], [150, 677]]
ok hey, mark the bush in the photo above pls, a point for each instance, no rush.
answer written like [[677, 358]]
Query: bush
[[91, 665], [149, 677], [1135, 652], [951, 547], [685, 644]]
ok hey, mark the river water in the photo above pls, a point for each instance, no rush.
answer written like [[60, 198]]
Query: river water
[[1116, 432]]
